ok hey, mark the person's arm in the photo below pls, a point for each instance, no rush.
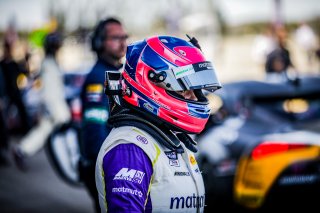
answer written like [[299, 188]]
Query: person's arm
[[53, 92], [127, 175]]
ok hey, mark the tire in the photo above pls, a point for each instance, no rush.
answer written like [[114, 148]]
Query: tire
[[63, 150]]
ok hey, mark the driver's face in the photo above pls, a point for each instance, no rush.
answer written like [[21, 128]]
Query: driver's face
[[115, 43], [188, 94]]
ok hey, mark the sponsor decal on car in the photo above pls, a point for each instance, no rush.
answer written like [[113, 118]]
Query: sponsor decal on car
[[131, 175], [298, 179]]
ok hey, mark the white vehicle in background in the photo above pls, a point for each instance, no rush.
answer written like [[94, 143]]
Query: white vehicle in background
[[63, 145]]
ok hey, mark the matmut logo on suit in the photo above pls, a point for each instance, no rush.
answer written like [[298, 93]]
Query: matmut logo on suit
[[131, 175]]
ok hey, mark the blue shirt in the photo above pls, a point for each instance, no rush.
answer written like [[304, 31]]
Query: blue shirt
[[95, 110]]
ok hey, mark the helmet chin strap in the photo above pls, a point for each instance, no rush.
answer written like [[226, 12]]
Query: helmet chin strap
[[164, 136]]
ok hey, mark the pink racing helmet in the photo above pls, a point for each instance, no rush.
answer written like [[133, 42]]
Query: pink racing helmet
[[158, 70]]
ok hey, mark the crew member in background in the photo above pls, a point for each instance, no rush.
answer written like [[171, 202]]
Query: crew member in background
[[109, 42], [56, 111], [11, 71]]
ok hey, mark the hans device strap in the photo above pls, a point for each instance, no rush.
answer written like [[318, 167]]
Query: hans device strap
[[164, 136]]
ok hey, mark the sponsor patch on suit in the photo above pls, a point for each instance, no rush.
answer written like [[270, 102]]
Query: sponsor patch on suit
[[94, 92], [173, 158]]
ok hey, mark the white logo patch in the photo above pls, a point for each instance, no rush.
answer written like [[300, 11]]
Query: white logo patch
[[131, 175], [174, 163]]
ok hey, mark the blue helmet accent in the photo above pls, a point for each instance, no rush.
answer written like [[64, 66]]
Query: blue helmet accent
[[132, 57], [153, 59], [198, 110], [149, 56], [172, 42]]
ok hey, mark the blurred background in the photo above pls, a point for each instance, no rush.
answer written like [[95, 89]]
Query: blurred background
[[231, 32], [236, 35]]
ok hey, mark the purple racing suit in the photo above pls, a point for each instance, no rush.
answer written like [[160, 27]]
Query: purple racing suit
[[134, 173]]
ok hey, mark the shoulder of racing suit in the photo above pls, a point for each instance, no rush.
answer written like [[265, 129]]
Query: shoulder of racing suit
[[172, 171]]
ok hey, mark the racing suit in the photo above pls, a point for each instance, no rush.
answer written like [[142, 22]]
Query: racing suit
[[95, 113], [137, 173]]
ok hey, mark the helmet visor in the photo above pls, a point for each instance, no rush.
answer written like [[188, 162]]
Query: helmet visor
[[190, 77]]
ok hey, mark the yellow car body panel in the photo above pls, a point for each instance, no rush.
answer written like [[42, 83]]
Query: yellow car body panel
[[254, 177]]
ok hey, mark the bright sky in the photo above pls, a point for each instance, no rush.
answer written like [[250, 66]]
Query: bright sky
[[30, 14], [241, 11]]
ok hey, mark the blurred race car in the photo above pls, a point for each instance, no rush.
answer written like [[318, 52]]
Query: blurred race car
[[261, 147], [30, 88], [63, 145]]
